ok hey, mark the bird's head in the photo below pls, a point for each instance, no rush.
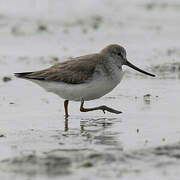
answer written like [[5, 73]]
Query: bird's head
[[118, 54]]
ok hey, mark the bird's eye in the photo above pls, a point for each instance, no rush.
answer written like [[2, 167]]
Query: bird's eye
[[119, 54]]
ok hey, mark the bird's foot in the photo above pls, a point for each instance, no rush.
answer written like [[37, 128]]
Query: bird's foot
[[105, 108]]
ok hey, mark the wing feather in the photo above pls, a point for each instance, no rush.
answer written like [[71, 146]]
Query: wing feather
[[75, 71]]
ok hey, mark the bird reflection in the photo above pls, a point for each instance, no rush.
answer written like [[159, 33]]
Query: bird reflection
[[97, 130], [82, 128], [66, 128], [94, 122]]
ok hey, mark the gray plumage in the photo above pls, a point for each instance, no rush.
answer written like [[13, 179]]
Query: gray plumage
[[81, 69], [85, 78], [75, 71]]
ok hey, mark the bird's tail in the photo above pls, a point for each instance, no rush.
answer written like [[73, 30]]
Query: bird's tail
[[22, 75]]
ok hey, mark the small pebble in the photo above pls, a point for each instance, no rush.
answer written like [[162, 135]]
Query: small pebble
[[11, 103], [6, 79], [87, 164], [42, 27], [2, 135]]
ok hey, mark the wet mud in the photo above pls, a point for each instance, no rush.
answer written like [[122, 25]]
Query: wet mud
[[37, 142]]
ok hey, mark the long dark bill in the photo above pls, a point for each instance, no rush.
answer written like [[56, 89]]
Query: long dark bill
[[137, 69]]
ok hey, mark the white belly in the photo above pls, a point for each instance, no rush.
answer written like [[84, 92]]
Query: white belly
[[94, 89]]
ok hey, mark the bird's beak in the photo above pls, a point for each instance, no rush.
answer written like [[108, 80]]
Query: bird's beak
[[127, 63]]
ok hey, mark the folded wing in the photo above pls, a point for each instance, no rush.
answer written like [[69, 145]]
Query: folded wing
[[75, 71]]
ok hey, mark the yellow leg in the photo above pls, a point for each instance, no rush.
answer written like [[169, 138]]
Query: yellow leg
[[66, 108], [103, 108]]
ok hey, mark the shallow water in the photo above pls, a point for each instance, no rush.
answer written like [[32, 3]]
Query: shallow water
[[37, 142]]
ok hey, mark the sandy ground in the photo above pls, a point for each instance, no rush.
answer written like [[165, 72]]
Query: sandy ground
[[36, 142]]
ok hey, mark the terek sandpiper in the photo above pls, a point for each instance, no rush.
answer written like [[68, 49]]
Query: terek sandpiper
[[84, 78]]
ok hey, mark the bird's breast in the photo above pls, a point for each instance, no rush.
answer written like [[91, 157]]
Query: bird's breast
[[117, 76], [97, 87]]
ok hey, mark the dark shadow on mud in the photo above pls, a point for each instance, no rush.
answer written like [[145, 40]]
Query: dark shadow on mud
[[167, 70], [33, 165], [63, 162], [162, 71]]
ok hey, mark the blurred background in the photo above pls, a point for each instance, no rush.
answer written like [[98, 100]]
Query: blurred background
[[36, 142], [147, 29]]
